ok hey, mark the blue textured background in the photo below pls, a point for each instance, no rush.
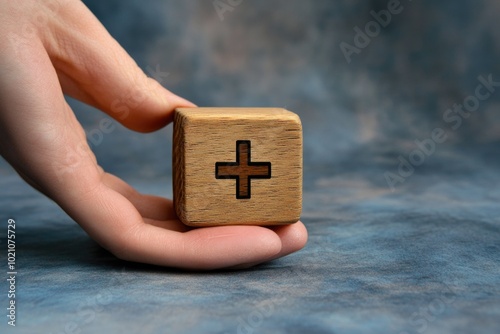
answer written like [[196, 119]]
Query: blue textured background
[[422, 258]]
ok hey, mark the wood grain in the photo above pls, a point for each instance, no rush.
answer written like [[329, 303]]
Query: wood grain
[[214, 184]]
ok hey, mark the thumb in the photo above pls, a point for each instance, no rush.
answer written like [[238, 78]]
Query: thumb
[[95, 69]]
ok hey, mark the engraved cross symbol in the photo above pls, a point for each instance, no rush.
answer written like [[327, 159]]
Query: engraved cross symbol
[[243, 170]]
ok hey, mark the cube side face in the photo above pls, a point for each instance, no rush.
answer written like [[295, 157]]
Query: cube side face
[[178, 166], [205, 200]]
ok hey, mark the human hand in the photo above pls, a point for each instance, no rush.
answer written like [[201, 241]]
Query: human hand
[[56, 47]]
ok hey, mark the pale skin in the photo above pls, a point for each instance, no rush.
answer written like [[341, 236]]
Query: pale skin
[[57, 47]]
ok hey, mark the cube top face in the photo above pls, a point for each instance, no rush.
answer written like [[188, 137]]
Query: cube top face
[[237, 166]]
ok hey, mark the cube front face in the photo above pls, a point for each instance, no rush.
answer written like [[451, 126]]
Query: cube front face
[[237, 166]]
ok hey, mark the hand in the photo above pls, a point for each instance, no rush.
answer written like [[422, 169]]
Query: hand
[[56, 47]]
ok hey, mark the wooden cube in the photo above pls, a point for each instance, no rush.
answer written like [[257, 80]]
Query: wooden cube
[[237, 166]]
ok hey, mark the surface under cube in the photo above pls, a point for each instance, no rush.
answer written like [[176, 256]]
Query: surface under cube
[[237, 166]]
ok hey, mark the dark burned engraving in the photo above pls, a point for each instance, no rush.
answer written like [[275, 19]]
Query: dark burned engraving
[[243, 170]]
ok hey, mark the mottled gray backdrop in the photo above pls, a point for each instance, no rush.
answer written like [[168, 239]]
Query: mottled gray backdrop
[[287, 54]]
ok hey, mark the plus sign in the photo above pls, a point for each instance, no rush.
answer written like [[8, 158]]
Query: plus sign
[[243, 170]]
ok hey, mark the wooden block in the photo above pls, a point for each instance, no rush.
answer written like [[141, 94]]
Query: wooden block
[[237, 166]]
